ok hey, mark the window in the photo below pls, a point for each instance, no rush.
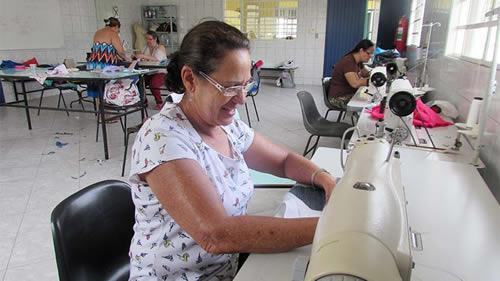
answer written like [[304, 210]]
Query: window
[[469, 30], [263, 19], [416, 21], [371, 20]]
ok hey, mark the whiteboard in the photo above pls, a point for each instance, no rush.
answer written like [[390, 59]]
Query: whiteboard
[[30, 24]]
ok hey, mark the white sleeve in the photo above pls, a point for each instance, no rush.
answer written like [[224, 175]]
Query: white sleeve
[[160, 54], [155, 146]]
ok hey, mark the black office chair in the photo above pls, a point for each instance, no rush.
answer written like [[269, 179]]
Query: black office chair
[[317, 125], [325, 81], [92, 230]]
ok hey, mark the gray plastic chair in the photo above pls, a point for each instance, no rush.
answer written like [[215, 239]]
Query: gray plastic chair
[[317, 125]]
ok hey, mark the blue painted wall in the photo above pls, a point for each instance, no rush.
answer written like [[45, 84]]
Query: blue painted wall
[[344, 29]]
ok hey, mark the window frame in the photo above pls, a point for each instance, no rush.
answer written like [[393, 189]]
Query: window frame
[[472, 25], [288, 29]]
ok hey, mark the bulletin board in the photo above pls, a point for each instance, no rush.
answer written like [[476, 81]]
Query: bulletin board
[[30, 24]]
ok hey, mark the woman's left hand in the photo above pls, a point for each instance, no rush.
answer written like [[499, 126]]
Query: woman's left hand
[[327, 182], [328, 188]]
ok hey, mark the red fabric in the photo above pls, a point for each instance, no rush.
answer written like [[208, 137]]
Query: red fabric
[[423, 116], [258, 63], [155, 82], [30, 61]]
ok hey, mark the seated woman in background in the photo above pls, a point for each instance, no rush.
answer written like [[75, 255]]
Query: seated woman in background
[[349, 74], [107, 48], [154, 52], [190, 169]]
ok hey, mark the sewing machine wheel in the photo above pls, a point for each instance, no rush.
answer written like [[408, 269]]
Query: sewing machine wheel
[[391, 69], [402, 103], [378, 79]]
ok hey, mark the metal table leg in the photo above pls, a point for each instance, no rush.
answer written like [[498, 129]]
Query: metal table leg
[[142, 93], [28, 118], [103, 119]]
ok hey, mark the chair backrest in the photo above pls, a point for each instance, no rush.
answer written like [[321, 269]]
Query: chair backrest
[[255, 72], [325, 82], [310, 112], [92, 230]]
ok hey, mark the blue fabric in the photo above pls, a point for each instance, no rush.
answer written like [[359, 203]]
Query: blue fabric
[[9, 64], [379, 50], [2, 97]]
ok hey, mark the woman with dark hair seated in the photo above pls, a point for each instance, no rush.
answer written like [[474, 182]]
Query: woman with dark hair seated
[[349, 74], [190, 169]]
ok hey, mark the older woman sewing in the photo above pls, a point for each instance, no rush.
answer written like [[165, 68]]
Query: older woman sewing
[[190, 169]]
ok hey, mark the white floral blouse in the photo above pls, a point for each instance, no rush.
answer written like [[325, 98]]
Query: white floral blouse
[[160, 248]]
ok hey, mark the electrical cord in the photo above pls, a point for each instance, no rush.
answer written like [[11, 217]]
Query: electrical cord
[[342, 164]]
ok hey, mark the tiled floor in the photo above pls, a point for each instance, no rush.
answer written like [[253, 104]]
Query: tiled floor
[[35, 174]]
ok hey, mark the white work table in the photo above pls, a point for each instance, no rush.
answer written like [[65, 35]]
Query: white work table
[[443, 138], [360, 101], [448, 203]]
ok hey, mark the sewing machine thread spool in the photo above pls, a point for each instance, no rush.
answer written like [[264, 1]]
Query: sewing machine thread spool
[[379, 128], [473, 116]]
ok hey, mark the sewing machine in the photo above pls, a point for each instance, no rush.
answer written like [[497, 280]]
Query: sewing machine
[[400, 105], [454, 220], [363, 231]]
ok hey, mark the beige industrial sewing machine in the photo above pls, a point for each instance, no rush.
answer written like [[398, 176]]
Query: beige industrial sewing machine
[[363, 232]]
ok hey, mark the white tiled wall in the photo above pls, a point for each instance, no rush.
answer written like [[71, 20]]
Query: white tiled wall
[[307, 50], [79, 22], [79, 19], [459, 81]]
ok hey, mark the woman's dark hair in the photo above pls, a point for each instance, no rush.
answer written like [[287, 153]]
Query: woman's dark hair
[[202, 49], [364, 44], [154, 35], [112, 22]]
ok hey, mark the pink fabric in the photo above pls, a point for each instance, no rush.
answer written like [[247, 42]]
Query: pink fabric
[[423, 116]]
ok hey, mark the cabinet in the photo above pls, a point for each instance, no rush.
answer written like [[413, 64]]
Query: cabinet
[[163, 20]]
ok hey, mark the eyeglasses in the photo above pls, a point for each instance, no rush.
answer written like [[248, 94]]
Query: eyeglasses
[[230, 91]]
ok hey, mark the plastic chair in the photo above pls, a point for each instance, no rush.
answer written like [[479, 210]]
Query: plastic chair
[[131, 130], [256, 76], [92, 230], [325, 81], [317, 125], [60, 87], [123, 111]]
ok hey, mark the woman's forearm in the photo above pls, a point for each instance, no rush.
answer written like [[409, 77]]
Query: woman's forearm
[[256, 234], [298, 168]]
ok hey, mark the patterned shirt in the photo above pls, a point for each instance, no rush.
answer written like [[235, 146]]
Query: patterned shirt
[[160, 248]]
